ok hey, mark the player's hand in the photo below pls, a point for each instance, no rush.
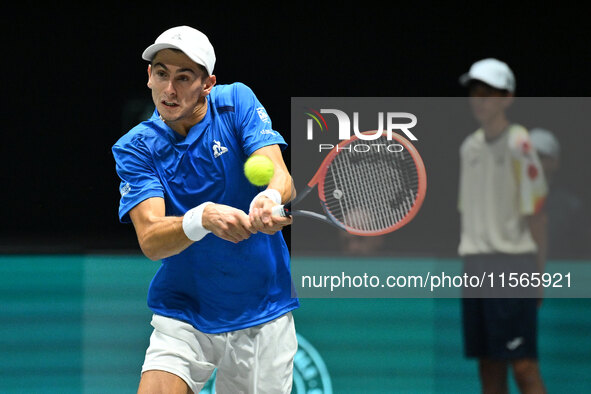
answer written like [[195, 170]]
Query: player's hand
[[227, 222], [261, 218]]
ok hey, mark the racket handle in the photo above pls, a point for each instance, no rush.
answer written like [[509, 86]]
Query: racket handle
[[281, 210]]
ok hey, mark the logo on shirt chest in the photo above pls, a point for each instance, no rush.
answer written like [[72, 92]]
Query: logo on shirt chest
[[218, 149]]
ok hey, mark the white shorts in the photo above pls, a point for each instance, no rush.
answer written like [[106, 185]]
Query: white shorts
[[257, 359]]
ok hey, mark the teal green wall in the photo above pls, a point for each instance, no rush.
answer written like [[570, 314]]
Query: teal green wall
[[79, 324]]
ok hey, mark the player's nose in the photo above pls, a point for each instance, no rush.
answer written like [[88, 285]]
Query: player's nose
[[170, 88]]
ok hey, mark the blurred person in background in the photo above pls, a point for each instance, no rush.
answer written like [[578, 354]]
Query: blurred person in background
[[503, 229]]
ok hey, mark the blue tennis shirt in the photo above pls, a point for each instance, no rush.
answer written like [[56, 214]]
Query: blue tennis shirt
[[215, 285]]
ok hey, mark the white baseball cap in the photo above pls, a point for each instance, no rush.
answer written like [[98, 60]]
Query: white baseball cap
[[192, 42], [545, 142], [491, 71]]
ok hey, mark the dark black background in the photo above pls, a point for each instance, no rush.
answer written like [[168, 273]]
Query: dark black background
[[70, 73]]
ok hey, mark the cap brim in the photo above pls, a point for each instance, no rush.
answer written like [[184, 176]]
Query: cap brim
[[465, 79], [151, 51]]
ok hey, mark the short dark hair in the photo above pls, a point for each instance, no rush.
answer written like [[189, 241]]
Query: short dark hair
[[200, 66]]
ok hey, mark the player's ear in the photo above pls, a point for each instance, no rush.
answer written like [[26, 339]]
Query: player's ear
[[149, 76], [209, 83]]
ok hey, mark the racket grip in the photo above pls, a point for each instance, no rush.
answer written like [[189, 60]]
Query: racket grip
[[281, 210]]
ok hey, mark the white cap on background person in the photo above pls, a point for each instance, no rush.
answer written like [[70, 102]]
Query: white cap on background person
[[545, 142], [491, 71], [191, 41]]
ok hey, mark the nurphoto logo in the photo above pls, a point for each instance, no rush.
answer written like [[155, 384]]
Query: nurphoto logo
[[347, 128]]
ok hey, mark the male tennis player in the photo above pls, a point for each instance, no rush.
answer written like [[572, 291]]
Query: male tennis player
[[501, 195], [222, 296]]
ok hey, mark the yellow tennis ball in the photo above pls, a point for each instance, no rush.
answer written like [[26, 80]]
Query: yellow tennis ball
[[259, 170]]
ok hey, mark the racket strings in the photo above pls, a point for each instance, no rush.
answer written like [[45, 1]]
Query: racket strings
[[370, 191], [355, 209]]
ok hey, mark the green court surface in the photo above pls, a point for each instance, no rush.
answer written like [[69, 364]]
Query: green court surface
[[80, 324]]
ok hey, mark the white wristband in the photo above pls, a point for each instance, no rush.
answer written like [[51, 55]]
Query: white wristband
[[192, 223], [272, 194]]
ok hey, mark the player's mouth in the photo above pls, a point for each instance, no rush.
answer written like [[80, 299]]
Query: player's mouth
[[169, 104]]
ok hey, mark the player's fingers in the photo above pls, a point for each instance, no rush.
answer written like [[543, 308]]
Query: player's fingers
[[273, 226], [229, 234], [283, 221], [251, 219], [240, 232], [256, 219], [244, 222], [262, 219], [237, 227], [266, 215], [275, 223], [226, 235], [260, 202], [231, 224], [236, 236]]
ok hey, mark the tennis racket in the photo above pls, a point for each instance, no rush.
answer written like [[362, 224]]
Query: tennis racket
[[366, 192]]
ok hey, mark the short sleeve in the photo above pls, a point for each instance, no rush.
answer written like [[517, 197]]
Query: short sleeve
[[139, 180], [529, 174], [253, 124]]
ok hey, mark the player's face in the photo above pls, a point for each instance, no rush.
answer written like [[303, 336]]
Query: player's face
[[178, 87], [488, 103]]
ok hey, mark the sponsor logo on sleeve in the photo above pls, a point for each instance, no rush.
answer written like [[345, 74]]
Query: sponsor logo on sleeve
[[125, 189], [269, 132], [263, 114]]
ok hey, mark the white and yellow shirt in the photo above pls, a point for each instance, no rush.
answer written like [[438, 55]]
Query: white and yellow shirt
[[501, 183]]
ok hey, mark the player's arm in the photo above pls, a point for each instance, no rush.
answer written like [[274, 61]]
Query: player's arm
[[281, 180], [162, 236], [260, 214], [532, 191], [159, 236]]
